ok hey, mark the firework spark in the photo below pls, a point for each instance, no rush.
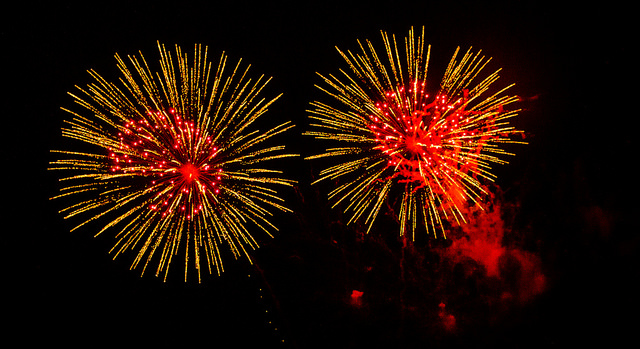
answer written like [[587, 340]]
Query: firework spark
[[174, 165], [393, 136]]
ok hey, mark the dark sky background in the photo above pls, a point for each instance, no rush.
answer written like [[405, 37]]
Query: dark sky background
[[572, 190]]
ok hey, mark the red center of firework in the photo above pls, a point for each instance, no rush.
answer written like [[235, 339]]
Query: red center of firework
[[419, 135], [413, 144], [175, 159], [189, 172]]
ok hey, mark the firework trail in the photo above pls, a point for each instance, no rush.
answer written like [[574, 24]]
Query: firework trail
[[427, 153], [172, 162]]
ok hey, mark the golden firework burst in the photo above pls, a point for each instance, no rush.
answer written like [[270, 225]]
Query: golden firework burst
[[173, 164]]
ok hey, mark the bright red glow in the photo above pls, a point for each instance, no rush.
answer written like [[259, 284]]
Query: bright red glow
[[189, 172], [356, 298]]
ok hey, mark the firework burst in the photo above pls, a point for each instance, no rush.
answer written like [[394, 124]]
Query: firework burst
[[431, 151], [174, 166]]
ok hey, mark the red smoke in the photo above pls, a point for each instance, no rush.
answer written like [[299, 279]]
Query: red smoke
[[356, 298], [448, 321], [482, 240]]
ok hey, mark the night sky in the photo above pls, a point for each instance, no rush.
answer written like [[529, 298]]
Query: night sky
[[568, 200]]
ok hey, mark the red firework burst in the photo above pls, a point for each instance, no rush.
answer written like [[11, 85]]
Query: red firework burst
[[435, 148]]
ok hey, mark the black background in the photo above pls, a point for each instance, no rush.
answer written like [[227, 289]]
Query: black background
[[575, 183]]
